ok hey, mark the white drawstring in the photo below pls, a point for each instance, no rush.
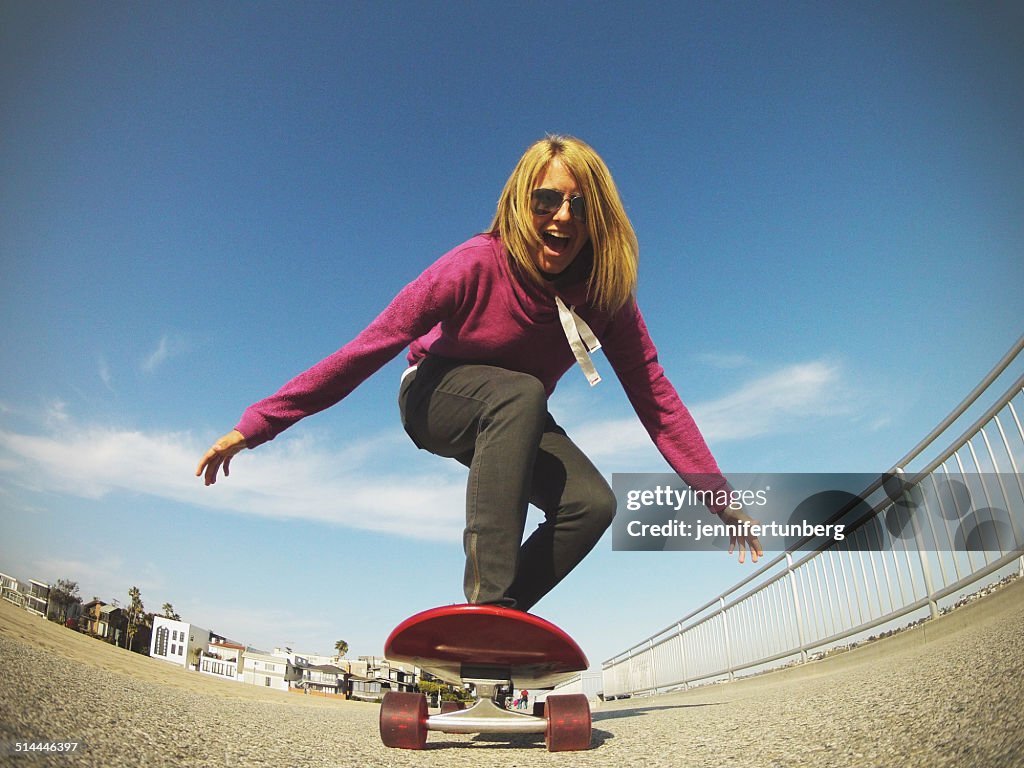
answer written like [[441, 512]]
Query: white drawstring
[[581, 339]]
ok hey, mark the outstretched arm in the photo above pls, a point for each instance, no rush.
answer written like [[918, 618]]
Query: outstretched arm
[[220, 455], [631, 351]]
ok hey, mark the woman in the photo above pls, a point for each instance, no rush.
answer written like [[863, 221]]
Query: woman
[[491, 327]]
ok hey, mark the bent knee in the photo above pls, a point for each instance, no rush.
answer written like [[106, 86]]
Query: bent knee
[[527, 391], [518, 395], [601, 507]]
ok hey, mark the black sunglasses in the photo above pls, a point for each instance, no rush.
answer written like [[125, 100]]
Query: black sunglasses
[[547, 201]]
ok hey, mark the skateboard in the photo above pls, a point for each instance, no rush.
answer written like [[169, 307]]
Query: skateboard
[[493, 649]]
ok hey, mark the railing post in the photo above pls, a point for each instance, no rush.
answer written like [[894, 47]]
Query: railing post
[[725, 632], [929, 588], [653, 666], [682, 653], [796, 607]]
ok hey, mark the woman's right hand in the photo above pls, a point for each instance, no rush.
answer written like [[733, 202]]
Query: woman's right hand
[[743, 538], [220, 455]]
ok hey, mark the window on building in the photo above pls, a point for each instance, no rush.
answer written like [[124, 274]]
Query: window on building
[[161, 641]]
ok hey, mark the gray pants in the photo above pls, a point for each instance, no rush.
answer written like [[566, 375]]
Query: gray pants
[[496, 422]]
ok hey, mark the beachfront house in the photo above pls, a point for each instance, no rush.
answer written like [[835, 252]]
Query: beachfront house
[[393, 675], [370, 677], [38, 598], [12, 591], [223, 659], [178, 642], [325, 680], [107, 622], [364, 688], [269, 671]]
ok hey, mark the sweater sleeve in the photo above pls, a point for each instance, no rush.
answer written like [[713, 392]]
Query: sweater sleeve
[[632, 354], [416, 309]]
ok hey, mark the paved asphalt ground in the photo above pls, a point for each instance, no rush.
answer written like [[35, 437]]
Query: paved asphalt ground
[[946, 694]]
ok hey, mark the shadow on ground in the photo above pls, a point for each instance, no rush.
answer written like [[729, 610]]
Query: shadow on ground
[[637, 711]]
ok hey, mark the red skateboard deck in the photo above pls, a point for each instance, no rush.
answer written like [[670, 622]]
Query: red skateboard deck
[[490, 648], [452, 639]]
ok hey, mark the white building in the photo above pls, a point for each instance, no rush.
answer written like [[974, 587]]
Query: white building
[[38, 598], [316, 659], [178, 642], [325, 679], [11, 591], [270, 671], [223, 659]]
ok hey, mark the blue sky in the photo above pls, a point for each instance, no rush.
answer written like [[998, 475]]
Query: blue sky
[[198, 201]]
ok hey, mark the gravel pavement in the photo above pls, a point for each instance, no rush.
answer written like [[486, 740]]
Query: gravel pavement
[[948, 696]]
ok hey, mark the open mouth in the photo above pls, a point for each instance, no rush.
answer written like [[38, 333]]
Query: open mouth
[[557, 243]]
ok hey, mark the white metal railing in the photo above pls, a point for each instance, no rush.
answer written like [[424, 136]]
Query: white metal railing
[[924, 534]]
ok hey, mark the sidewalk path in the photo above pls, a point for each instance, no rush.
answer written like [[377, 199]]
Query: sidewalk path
[[948, 694]]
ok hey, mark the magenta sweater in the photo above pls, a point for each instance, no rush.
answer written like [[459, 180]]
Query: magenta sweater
[[469, 306]]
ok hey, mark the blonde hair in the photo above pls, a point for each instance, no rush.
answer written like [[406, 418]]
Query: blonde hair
[[616, 252]]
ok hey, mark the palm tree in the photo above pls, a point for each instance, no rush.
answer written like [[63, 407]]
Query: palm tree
[[136, 613], [341, 647]]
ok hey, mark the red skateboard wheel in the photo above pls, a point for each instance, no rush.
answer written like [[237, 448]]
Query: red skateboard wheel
[[568, 727], [403, 720]]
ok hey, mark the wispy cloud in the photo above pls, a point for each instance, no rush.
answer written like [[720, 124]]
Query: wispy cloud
[[56, 415], [783, 401], [104, 373], [295, 478], [168, 347]]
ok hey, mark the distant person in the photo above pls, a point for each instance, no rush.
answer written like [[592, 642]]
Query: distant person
[[491, 327]]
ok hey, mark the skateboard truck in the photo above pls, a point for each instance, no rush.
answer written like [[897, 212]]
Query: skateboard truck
[[486, 715]]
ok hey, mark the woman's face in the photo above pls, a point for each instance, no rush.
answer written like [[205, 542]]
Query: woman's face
[[563, 235]]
